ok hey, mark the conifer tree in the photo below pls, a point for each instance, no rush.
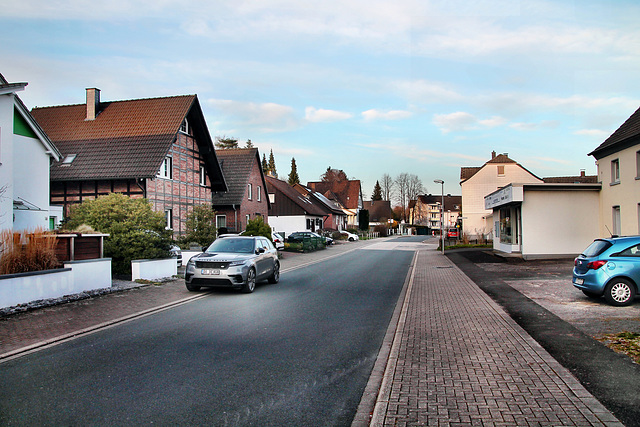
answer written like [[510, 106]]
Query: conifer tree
[[272, 165], [293, 175], [265, 166], [377, 192]]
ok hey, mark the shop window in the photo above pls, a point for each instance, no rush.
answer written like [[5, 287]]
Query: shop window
[[506, 226]]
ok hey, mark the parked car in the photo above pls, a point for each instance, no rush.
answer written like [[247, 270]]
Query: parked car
[[177, 254], [299, 236], [278, 241], [235, 261], [350, 236], [609, 268], [452, 233]]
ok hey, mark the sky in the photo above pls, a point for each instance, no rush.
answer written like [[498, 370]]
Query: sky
[[370, 87]]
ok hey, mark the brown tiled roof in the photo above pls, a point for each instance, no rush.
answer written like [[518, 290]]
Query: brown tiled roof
[[468, 172], [626, 134], [582, 179], [501, 158], [347, 192], [308, 204], [236, 165], [452, 203], [127, 139], [378, 210], [331, 206]]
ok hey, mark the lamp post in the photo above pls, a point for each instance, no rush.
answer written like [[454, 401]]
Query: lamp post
[[441, 182]]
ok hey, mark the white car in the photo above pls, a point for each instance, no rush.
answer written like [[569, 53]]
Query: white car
[[278, 241], [350, 236]]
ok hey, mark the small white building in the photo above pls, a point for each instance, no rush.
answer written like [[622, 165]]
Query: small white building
[[544, 220], [26, 153]]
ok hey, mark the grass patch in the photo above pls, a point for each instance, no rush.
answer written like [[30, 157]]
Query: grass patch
[[627, 343], [469, 245]]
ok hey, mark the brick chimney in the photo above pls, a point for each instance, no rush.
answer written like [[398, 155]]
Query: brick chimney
[[93, 103], [583, 173], [493, 154]]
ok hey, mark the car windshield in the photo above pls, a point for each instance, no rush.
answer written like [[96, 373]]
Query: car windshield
[[596, 248], [230, 244]]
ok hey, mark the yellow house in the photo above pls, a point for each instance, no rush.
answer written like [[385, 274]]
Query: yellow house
[[618, 162]]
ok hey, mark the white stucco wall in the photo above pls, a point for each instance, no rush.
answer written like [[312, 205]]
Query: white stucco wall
[[6, 165], [484, 182], [288, 224], [625, 193], [558, 223]]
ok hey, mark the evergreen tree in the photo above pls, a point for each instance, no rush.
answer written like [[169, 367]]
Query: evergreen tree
[[248, 144], [265, 166], [272, 165], [224, 143], [377, 192], [293, 176]]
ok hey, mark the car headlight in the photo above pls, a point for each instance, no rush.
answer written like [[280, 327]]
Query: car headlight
[[237, 263]]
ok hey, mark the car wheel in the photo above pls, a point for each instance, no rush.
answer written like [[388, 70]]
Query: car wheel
[[620, 292], [275, 277], [193, 288], [351, 239], [250, 284], [592, 295]]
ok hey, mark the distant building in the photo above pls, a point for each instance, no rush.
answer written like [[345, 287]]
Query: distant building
[[292, 210], [477, 182], [348, 193], [379, 212]]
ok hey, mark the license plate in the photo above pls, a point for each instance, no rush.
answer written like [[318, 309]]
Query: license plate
[[578, 281], [210, 271]]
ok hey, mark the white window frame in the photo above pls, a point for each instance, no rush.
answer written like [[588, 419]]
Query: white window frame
[[615, 171], [203, 176], [184, 127], [248, 218], [166, 168], [168, 214], [249, 192], [616, 221], [221, 221], [258, 193]]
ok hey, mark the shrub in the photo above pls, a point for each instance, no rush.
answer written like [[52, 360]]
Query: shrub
[[200, 226], [257, 227], [135, 230], [27, 251]]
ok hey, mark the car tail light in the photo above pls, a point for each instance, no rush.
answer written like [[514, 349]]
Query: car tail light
[[575, 262], [594, 265]]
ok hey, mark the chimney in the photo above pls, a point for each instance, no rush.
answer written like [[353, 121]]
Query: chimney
[[93, 103], [493, 154], [582, 173]]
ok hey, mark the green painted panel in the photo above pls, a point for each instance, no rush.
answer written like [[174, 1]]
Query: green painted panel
[[21, 127]]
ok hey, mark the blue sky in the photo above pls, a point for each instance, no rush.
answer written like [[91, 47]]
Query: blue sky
[[370, 87]]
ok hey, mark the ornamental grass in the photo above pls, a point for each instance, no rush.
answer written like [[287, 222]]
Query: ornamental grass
[[26, 251]]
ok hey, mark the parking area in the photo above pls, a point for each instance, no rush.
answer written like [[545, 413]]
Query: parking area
[[548, 283]]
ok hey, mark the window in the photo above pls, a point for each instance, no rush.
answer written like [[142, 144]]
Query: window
[[615, 171], [633, 251], [506, 226], [248, 218], [501, 170], [221, 221], [203, 175], [616, 220], [258, 195], [184, 127], [249, 195], [69, 159], [168, 213], [637, 164], [166, 168]]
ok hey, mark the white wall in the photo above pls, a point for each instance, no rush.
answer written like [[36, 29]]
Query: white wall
[[288, 224], [6, 162], [556, 223], [153, 269]]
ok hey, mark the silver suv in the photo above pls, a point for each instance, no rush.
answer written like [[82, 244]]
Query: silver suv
[[236, 262]]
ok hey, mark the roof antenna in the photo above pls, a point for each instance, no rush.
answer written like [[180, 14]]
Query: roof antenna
[[612, 235]]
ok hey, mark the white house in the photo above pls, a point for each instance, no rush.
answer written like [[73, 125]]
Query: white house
[[477, 182], [25, 157], [545, 220]]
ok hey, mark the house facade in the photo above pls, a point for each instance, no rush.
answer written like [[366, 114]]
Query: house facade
[[348, 193], [477, 182], [379, 212], [335, 217], [426, 210], [618, 163], [292, 210], [154, 148], [246, 197], [26, 153]]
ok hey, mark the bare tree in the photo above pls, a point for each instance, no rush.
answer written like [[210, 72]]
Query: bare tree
[[387, 186], [414, 187], [408, 187]]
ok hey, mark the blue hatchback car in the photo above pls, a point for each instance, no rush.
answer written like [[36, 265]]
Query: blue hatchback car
[[609, 268]]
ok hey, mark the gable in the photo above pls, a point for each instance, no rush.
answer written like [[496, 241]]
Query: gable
[[238, 166], [627, 135], [21, 127]]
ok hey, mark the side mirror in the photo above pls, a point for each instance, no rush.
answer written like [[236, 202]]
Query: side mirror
[[260, 250], [204, 248]]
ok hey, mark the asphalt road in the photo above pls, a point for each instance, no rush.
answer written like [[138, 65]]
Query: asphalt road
[[296, 353]]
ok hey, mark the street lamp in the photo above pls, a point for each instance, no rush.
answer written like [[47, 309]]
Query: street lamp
[[441, 182]]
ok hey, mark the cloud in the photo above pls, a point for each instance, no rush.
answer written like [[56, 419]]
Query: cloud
[[597, 133], [462, 121], [268, 116], [319, 115], [375, 114]]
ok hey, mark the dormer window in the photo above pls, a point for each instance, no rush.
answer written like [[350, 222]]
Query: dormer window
[[69, 159], [184, 127]]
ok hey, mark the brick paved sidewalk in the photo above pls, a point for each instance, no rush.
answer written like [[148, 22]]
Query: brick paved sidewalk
[[459, 359]]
